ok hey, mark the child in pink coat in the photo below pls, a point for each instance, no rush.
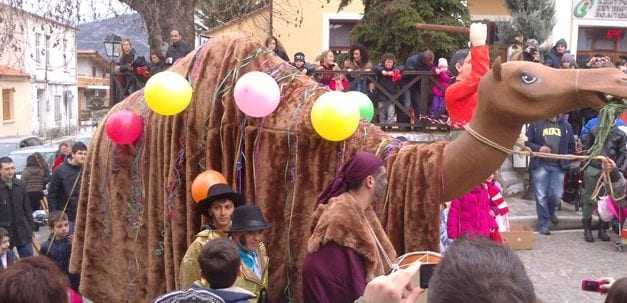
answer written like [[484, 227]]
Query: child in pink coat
[[472, 215], [443, 77]]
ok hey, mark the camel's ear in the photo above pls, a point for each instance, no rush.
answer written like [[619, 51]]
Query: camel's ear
[[496, 69]]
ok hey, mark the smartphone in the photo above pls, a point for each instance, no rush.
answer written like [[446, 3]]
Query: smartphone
[[592, 285], [426, 271]]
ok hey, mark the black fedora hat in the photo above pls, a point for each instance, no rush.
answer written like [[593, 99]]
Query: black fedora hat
[[248, 218], [218, 192]]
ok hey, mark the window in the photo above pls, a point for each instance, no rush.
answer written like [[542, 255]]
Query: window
[[65, 57], [7, 104], [47, 51], [340, 34], [40, 102], [93, 71], [67, 101], [57, 108], [38, 48]]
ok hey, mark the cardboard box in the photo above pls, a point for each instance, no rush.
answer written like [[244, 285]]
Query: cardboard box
[[519, 239]]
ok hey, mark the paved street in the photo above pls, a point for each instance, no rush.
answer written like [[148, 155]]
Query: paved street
[[560, 261]]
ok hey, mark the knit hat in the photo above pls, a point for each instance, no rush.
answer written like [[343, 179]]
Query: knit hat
[[299, 57], [442, 62]]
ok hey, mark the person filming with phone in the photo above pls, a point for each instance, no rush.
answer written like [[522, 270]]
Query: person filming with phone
[[473, 270]]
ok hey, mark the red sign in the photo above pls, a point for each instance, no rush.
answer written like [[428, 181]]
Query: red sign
[[614, 34]]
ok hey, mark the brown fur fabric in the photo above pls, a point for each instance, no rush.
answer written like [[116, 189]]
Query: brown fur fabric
[[136, 216], [342, 221]]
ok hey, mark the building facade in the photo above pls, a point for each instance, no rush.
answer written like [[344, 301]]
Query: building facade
[[15, 87], [592, 27], [45, 51], [301, 26], [93, 87]]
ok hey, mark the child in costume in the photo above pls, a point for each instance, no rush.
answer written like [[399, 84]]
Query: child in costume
[[468, 67], [500, 208]]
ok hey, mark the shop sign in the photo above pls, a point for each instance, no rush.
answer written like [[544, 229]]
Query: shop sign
[[601, 9]]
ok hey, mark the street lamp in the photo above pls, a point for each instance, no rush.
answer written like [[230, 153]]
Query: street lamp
[[113, 47]]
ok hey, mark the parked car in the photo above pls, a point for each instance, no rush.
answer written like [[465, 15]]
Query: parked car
[[19, 156], [85, 138], [9, 144]]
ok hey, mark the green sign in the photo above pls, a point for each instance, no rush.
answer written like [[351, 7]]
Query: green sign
[[583, 7], [601, 9]]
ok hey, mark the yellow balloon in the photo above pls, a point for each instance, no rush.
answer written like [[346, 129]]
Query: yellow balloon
[[168, 93], [334, 117]]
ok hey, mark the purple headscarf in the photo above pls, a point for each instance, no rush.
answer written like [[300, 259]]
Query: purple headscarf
[[361, 165]]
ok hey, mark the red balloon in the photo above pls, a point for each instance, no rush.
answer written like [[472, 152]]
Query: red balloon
[[124, 127]]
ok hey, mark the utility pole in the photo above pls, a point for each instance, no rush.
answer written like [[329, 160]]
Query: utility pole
[[271, 14]]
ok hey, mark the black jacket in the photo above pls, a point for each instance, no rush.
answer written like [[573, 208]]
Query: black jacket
[[614, 148], [176, 51], [157, 68], [386, 81], [15, 213], [416, 62], [61, 186], [536, 140], [126, 61], [59, 251]]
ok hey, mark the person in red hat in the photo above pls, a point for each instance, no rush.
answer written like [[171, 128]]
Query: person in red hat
[[348, 246], [219, 205]]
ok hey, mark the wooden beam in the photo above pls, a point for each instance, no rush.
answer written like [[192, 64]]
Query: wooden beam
[[443, 28]]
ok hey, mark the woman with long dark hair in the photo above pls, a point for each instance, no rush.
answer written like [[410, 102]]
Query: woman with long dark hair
[[357, 61], [273, 44], [35, 177]]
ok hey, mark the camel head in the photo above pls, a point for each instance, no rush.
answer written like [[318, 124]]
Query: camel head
[[519, 92]]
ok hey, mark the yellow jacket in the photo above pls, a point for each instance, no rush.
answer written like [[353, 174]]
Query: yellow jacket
[[249, 281], [190, 268]]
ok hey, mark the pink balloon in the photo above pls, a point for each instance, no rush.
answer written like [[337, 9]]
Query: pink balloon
[[124, 127], [257, 94]]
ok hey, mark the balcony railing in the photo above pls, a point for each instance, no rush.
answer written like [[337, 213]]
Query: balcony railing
[[417, 83]]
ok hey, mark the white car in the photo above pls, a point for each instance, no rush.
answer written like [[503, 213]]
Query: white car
[[19, 156]]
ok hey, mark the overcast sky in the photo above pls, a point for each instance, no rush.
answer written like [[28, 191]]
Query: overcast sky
[[89, 10]]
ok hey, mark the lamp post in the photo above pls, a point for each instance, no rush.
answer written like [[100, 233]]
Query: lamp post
[[113, 48]]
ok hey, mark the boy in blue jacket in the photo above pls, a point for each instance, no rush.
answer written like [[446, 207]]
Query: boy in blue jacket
[[554, 135]]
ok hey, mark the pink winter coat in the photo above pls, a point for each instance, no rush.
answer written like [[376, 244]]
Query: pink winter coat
[[443, 79], [470, 215]]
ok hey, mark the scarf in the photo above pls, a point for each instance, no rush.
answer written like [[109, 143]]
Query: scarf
[[361, 165]]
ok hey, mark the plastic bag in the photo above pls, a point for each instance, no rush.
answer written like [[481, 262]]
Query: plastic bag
[[604, 210]]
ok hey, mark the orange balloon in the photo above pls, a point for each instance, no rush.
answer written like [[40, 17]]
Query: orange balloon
[[204, 181]]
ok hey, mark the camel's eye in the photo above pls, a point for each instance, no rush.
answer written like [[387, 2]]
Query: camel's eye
[[528, 79]]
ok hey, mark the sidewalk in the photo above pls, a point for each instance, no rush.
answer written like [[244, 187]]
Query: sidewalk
[[523, 214]]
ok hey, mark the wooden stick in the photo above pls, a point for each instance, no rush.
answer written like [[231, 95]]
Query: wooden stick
[[443, 28]]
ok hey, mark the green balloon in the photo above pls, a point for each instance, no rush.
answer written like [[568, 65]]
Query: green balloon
[[366, 108]]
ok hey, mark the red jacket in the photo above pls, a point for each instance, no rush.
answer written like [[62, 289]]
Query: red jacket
[[461, 97]]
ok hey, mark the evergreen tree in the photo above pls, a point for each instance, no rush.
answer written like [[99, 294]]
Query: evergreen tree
[[533, 18], [389, 26], [212, 13]]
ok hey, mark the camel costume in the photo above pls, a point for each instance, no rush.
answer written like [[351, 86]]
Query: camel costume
[[134, 220]]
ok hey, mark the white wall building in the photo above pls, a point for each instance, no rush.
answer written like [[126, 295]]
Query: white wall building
[[592, 27], [46, 51]]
